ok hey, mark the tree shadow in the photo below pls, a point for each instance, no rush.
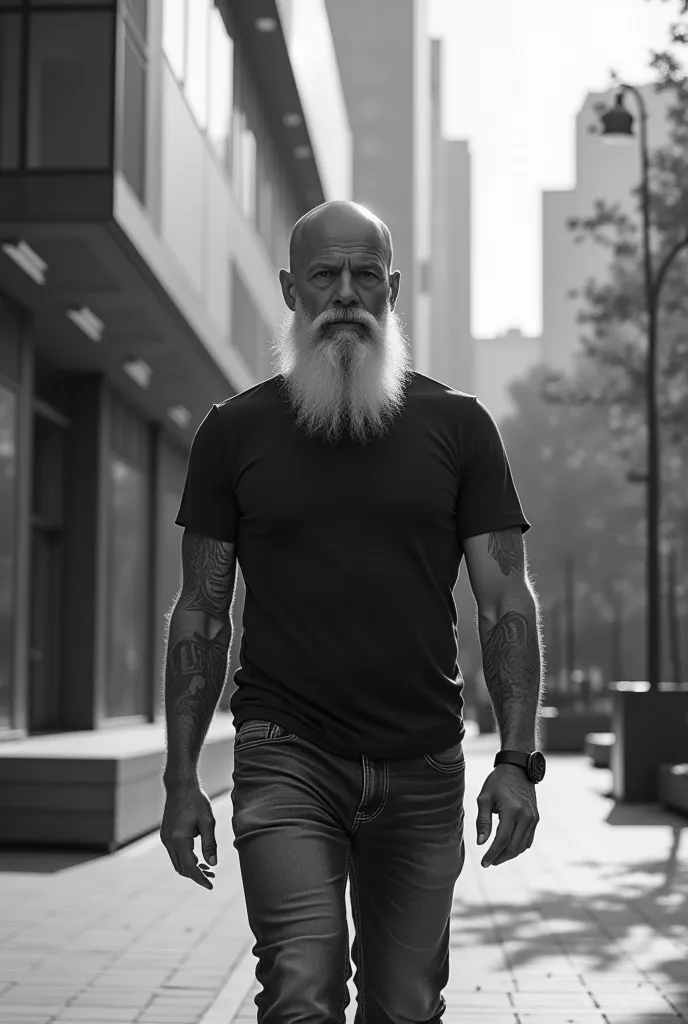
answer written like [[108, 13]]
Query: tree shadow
[[589, 933]]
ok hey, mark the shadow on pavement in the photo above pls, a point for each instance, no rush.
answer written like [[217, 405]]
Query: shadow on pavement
[[651, 894], [48, 861]]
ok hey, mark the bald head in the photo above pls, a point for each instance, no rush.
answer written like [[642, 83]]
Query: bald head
[[338, 219]]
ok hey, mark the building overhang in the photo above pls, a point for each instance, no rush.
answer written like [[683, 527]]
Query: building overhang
[[267, 56], [67, 220]]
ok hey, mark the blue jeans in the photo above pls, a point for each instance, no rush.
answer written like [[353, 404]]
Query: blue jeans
[[304, 820]]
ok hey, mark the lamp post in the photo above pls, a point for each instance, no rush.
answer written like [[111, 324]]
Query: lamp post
[[617, 125]]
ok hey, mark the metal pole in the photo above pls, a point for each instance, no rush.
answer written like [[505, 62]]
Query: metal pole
[[653, 579]]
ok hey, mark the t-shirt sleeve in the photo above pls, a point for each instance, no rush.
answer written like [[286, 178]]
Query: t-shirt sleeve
[[488, 499], [208, 503]]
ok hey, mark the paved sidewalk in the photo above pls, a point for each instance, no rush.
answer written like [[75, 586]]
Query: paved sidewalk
[[589, 927]]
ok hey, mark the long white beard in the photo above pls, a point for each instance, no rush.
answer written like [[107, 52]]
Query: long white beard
[[343, 380]]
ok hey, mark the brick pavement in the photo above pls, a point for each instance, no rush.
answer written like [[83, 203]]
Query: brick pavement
[[589, 927]]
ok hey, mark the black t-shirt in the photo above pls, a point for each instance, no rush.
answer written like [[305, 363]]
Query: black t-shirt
[[350, 555]]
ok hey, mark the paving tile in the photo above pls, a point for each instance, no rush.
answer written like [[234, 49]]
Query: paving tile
[[640, 1018], [559, 1001]]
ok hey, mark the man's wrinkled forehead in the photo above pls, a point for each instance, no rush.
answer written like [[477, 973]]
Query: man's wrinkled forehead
[[336, 234]]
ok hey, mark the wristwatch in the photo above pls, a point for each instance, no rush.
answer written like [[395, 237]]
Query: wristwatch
[[533, 764]]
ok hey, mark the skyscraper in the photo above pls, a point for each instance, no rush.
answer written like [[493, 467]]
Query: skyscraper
[[383, 55], [603, 171], [451, 344]]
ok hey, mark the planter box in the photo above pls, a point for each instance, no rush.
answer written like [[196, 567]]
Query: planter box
[[672, 785], [97, 789], [564, 731], [651, 729], [598, 747]]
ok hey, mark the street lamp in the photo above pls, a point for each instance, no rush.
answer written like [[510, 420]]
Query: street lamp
[[617, 126]]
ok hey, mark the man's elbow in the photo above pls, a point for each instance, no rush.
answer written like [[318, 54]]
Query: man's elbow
[[517, 596]]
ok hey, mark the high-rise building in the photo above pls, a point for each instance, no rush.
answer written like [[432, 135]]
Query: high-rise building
[[451, 343], [603, 171], [153, 159], [499, 362], [383, 54]]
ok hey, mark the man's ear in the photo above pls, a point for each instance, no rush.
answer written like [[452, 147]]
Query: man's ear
[[394, 282], [288, 289]]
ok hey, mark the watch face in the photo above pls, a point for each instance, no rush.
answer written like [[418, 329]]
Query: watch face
[[537, 766]]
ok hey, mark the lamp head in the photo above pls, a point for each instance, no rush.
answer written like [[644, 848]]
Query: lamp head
[[617, 123]]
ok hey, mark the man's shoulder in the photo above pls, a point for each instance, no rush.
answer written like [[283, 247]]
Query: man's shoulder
[[259, 397], [445, 396]]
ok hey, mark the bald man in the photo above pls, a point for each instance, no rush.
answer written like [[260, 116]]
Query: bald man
[[349, 488]]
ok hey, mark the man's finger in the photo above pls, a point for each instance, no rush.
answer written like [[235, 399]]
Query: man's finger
[[189, 862], [484, 821], [507, 820], [517, 843]]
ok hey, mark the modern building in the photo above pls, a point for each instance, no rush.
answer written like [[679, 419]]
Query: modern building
[[153, 159], [603, 171], [383, 53], [451, 344], [499, 362]]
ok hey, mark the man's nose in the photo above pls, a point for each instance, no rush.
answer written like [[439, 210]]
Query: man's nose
[[345, 292]]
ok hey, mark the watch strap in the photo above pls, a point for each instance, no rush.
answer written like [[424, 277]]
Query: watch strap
[[512, 757]]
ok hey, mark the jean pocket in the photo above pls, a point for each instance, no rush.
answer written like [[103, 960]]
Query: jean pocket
[[256, 731], [449, 761]]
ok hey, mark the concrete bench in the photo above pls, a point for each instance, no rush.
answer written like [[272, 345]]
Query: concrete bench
[[673, 786], [97, 789], [598, 747], [564, 730]]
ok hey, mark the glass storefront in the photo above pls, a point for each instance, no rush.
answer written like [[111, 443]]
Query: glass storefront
[[127, 683], [8, 489]]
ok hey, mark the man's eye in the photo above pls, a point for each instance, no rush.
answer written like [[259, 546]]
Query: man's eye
[[367, 273], [324, 273]]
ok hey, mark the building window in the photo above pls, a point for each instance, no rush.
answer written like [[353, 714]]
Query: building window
[[174, 35], [70, 87], [221, 81], [8, 487], [126, 671], [10, 79], [133, 131], [196, 76], [244, 165]]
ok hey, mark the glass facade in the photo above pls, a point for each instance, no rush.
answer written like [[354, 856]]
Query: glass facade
[[8, 498], [10, 86], [219, 90], [125, 681], [133, 118], [127, 678], [69, 118]]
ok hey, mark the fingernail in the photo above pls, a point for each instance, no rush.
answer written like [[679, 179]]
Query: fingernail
[[212, 860], [481, 837]]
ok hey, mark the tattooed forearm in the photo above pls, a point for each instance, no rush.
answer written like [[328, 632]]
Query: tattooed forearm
[[512, 667], [506, 548], [197, 651], [194, 679]]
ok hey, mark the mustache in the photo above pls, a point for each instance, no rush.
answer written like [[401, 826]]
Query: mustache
[[345, 315]]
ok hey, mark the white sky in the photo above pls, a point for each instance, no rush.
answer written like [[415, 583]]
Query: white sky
[[515, 75]]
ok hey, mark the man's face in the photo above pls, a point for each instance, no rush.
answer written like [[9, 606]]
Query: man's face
[[341, 350]]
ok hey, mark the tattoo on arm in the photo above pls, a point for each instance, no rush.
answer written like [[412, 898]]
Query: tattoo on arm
[[511, 664], [196, 664], [209, 568], [505, 546]]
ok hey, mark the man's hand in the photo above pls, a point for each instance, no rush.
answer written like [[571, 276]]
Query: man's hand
[[188, 814], [509, 793]]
